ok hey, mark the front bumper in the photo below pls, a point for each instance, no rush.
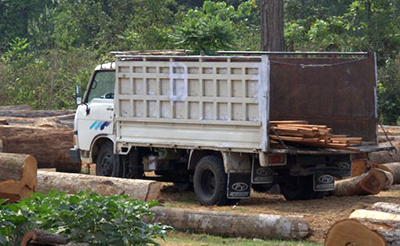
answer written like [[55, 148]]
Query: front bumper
[[75, 155]]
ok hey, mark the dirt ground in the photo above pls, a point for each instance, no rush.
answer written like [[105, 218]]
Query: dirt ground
[[320, 214]]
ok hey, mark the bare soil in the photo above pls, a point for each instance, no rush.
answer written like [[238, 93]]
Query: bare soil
[[320, 214]]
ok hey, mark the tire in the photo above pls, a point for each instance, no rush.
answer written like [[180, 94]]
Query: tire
[[132, 166], [262, 187], [107, 164], [210, 181], [298, 188]]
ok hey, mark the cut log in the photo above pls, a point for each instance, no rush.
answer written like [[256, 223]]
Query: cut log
[[377, 217], [144, 190], [40, 237], [16, 107], [394, 168], [18, 176], [382, 157], [352, 232], [233, 224], [34, 113], [387, 207], [50, 146], [365, 184]]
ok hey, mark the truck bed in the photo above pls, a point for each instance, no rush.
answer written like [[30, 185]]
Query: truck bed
[[224, 103]]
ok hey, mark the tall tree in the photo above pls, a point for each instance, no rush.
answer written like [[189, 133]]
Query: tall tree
[[272, 25]]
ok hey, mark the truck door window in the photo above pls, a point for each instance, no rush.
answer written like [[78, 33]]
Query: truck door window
[[102, 85]]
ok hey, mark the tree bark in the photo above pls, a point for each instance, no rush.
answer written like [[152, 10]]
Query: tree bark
[[18, 176], [272, 38], [50, 146], [233, 224], [144, 190]]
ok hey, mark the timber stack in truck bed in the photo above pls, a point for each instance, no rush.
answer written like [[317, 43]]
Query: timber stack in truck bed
[[302, 133]]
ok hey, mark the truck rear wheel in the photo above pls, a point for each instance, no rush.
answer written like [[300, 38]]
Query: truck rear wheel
[[107, 163], [210, 181]]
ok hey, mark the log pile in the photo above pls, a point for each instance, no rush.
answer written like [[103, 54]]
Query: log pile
[[380, 226], [48, 139], [18, 176], [304, 134]]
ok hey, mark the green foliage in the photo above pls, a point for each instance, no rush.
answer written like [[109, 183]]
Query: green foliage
[[85, 217], [212, 28]]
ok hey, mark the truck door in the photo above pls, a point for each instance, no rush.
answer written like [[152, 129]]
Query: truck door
[[96, 116]]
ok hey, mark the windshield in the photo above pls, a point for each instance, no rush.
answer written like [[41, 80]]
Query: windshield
[[102, 85]]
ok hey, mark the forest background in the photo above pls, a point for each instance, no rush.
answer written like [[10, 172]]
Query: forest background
[[49, 46]]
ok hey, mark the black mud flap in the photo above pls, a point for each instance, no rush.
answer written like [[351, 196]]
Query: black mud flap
[[261, 175], [239, 185], [323, 182], [344, 169]]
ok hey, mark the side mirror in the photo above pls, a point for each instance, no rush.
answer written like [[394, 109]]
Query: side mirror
[[78, 94]]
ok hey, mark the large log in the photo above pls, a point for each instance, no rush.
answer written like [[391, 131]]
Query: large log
[[382, 157], [366, 184], [34, 113], [16, 107], [144, 190], [394, 168], [233, 224], [50, 146], [18, 176], [366, 227]]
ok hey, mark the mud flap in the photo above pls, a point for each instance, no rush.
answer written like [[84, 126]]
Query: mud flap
[[323, 182], [239, 185], [345, 169], [261, 175]]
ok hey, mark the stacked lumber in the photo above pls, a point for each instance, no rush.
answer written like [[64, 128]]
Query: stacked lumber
[[305, 134], [18, 176], [380, 226]]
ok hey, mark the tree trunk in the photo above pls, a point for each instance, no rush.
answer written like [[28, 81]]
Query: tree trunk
[[272, 25], [233, 224], [144, 190], [40, 237], [18, 176], [365, 184], [50, 146]]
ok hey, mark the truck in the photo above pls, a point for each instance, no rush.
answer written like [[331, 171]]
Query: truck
[[203, 122]]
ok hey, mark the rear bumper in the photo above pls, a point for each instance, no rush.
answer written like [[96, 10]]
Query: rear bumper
[[75, 155]]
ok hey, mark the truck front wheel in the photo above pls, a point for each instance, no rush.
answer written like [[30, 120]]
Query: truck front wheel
[[107, 163], [210, 181]]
